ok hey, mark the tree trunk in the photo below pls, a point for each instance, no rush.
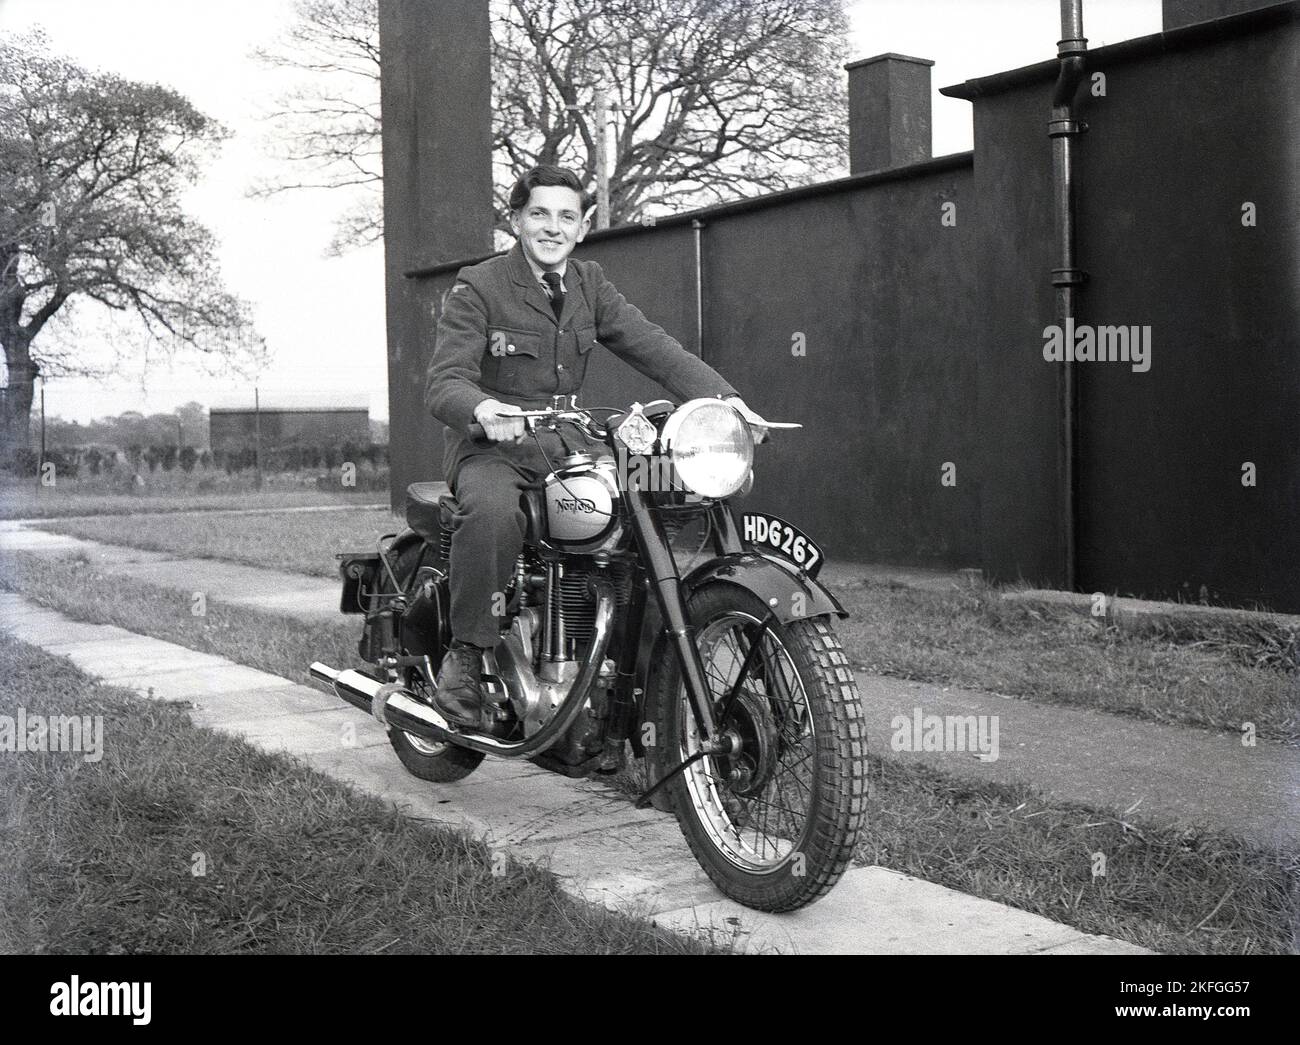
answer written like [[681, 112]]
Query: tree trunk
[[16, 402]]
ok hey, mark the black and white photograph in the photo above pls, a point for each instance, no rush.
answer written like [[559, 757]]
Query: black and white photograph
[[650, 477]]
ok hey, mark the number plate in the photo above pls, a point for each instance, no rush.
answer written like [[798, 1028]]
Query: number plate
[[767, 533]]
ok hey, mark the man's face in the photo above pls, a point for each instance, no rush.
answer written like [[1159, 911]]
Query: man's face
[[550, 225]]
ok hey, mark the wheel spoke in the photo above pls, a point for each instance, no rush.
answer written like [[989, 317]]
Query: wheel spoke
[[756, 831]]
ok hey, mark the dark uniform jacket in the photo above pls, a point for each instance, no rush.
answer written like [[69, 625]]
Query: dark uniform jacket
[[498, 338]]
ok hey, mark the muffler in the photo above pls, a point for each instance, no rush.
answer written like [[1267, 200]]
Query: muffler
[[388, 703]]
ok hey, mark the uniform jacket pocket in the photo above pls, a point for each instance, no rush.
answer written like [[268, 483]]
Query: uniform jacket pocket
[[511, 362]]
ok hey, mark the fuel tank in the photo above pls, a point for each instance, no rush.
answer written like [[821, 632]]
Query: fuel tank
[[583, 509]]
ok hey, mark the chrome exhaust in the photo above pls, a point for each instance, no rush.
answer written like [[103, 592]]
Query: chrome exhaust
[[393, 705], [388, 703]]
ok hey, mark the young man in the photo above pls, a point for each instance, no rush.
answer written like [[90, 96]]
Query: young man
[[517, 330]]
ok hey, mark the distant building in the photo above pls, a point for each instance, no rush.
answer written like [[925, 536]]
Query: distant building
[[288, 421]]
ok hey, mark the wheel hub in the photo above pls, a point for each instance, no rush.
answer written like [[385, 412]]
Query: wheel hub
[[753, 734]]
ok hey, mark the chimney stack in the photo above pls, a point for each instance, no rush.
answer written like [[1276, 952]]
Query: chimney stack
[[889, 112]]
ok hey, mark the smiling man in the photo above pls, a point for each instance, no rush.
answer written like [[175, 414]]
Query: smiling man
[[517, 330]]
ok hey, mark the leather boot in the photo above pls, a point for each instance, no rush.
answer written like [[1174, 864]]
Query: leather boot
[[459, 692]]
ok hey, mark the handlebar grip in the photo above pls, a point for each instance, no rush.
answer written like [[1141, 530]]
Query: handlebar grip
[[477, 434]]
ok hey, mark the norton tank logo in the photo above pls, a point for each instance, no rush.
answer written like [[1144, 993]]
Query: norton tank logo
[[581, 505]]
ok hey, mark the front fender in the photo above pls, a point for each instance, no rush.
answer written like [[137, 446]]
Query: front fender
[[778, 583], [773, 580]]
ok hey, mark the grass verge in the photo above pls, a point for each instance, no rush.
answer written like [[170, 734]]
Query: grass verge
[[1172, 891], [27, 500], [1214, 673], [104, 857], [270, 642], [297, 542], [1165, 889]]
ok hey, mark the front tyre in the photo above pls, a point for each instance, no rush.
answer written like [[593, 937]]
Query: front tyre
[[775, 826]]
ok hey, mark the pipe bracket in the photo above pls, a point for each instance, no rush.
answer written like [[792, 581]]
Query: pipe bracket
[[1069, 277], [1064, 128]]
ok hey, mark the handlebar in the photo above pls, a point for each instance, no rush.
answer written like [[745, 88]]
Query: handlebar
[[580, 419], [533, 419]]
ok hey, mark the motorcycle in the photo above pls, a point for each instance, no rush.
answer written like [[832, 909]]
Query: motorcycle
[[725, 676]]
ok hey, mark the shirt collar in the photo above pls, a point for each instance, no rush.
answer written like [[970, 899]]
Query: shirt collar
[[537, 272]]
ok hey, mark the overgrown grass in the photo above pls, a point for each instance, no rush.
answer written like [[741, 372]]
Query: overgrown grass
[[102, 858], [298, 542], [1212, 672]]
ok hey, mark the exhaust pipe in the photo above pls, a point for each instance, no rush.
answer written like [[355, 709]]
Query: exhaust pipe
[[388, 703], [393, 705]]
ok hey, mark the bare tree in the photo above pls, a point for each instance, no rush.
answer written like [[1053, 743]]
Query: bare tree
[[710, 100], [328, 127], [91, 170]]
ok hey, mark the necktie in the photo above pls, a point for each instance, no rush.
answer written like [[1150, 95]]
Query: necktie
[[553, 284]]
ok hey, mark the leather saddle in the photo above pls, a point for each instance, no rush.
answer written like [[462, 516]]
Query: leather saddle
[[429, 511]]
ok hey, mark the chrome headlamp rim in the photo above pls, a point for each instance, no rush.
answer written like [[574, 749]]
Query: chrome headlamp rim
[[669, 439]]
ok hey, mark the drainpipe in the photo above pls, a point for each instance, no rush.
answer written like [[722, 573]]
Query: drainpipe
[[1062, 129], [697, 225]]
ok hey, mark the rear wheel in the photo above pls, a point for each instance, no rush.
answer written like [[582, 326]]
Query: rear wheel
[[440, 763], [775, 825]]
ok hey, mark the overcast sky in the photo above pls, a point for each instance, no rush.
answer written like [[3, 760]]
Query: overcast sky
[[323, 318]]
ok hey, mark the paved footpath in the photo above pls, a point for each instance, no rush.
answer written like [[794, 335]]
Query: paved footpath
[[602, 849], [1172, 774]]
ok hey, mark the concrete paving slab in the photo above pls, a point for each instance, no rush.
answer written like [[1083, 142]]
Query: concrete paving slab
[[235, 583], [137, 657], [1179, 775], [310, 734], [23, 540], [874, 910], [57, 635], [1122, 606], [211, 709], [598, 844], [213, 681]]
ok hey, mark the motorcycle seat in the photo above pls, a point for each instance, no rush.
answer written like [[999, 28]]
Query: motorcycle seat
[[430, 511], [424, 508]]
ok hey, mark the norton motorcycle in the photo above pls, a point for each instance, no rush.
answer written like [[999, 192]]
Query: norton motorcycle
[[724, 674]]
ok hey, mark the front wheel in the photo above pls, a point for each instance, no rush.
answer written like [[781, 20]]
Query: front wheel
[[774, 826]]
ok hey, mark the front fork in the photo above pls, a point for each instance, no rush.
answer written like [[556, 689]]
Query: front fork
[[665, 581]]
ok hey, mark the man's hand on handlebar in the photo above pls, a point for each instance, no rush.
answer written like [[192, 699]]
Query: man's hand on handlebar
[[758, 426], [500, 429]]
